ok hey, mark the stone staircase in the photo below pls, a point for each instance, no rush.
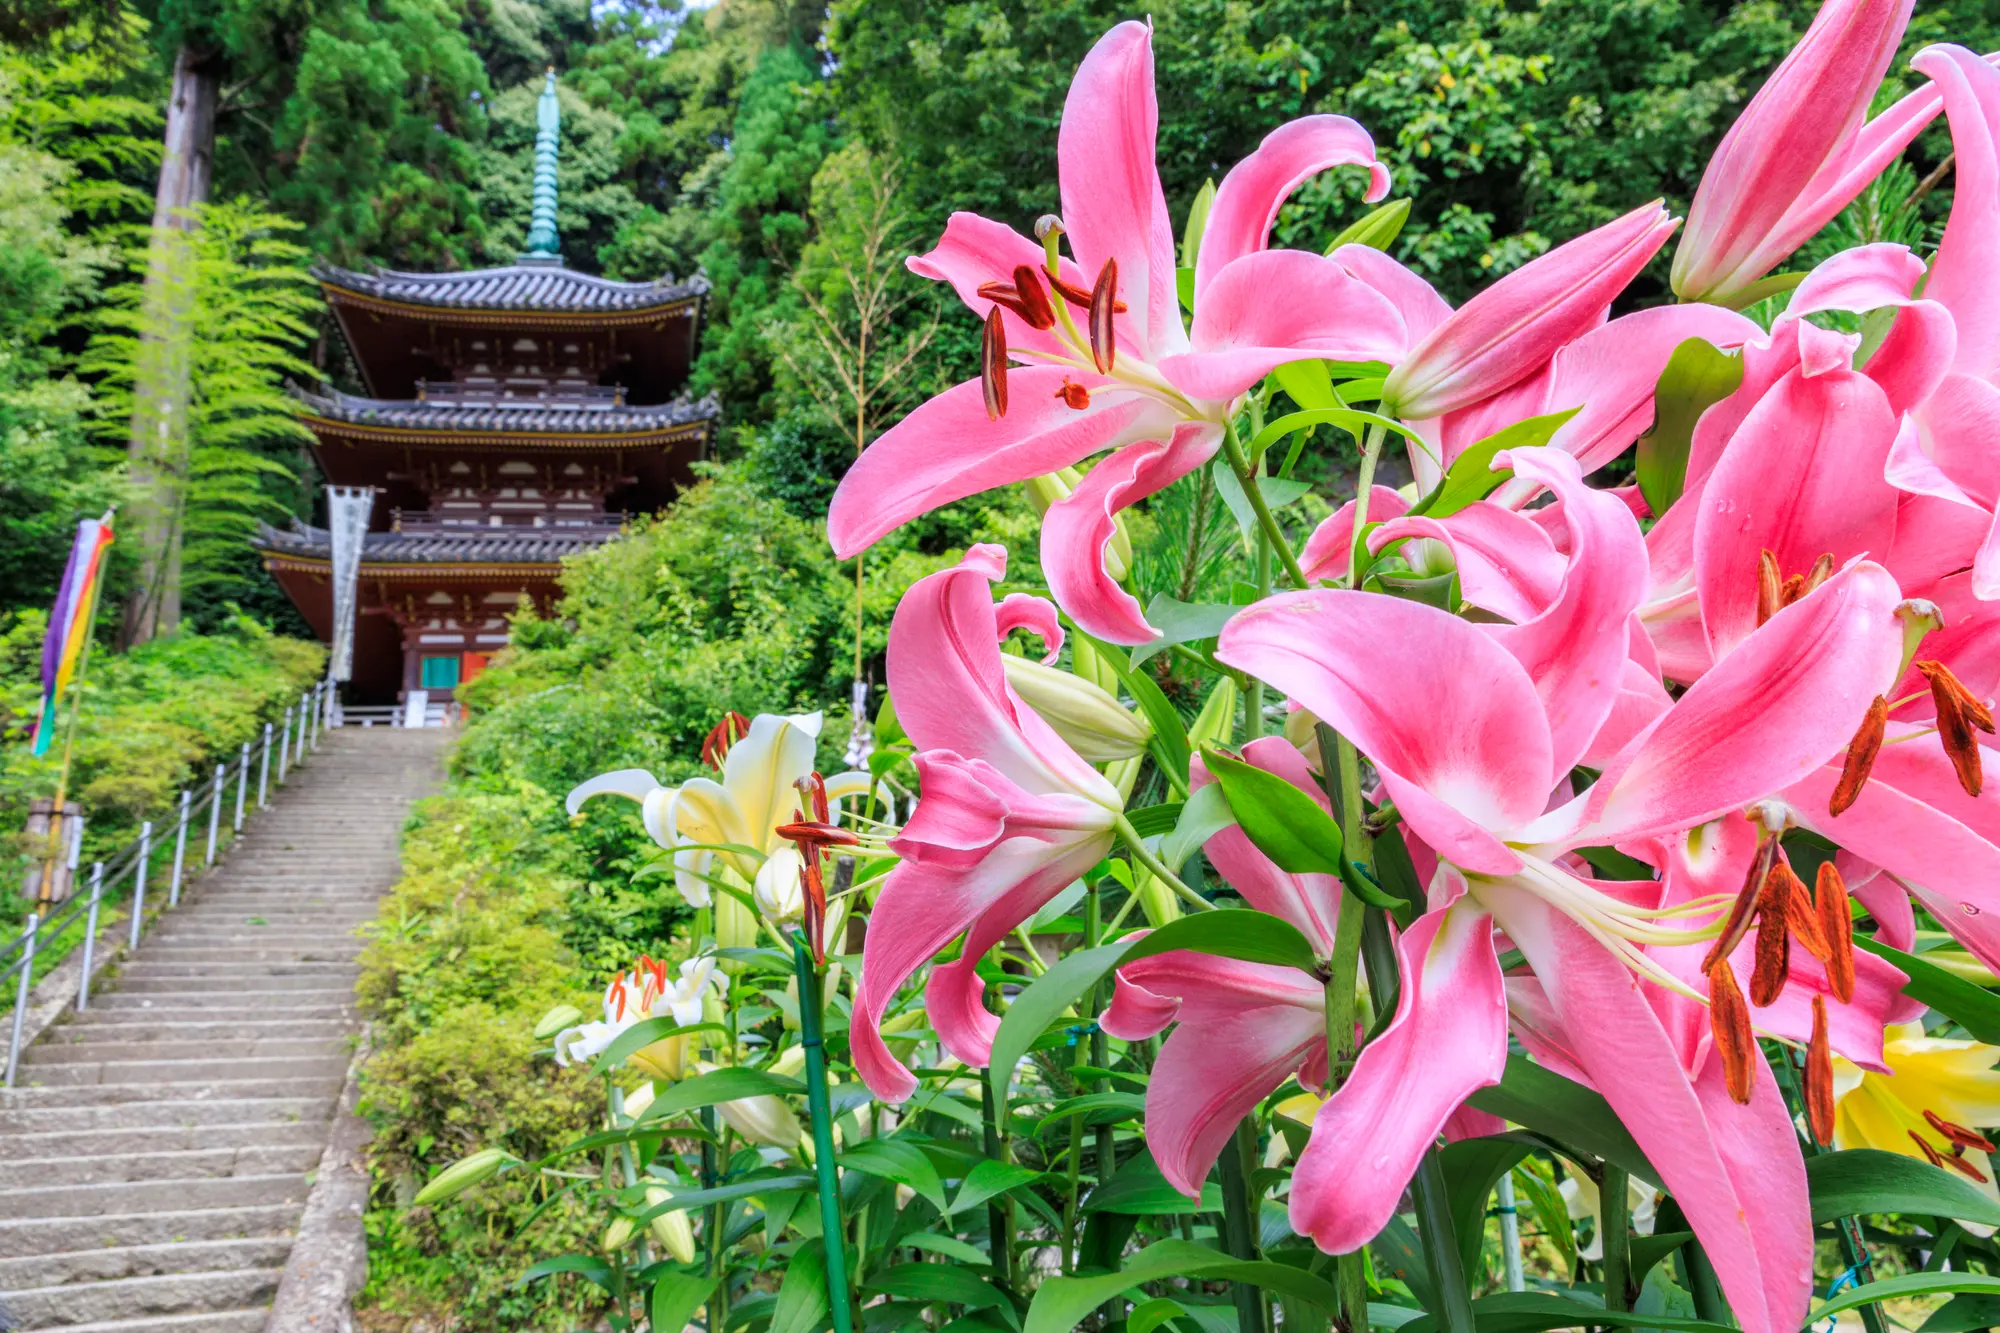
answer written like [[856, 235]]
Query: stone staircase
[[157, 1153]]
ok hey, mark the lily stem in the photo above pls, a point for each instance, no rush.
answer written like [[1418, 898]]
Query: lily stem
[[1614, 1213], [1852, 1248], [1100, 1057], [999, 1232], [1364, 485], [1266, 521], [1239, 1221], [1341, 779], [1137, 846]]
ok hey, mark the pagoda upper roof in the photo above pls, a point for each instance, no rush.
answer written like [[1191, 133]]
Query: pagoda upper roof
[[530, 286], [469, 546], [538, 416]]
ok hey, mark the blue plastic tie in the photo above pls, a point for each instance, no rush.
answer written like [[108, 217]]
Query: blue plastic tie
[[1850, 1278], [1076, 1030]]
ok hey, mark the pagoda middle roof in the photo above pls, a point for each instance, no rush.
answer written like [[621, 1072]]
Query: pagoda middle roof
[[486, 546], [522, 415], [515, 287]]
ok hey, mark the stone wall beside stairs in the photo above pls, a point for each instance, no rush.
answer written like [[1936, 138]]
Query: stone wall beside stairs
[[157, 1155]]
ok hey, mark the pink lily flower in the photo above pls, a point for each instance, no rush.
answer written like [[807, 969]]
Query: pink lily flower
[[1473, 773], [1511, 329], [1108, 362], [1008, 817], [1801, 151]]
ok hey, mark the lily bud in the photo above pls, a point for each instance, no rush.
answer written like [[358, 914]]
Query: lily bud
[[673, 1230], [780, 888], [735, 921], [637, 1100], [764, 1118], [1510, 330], [1800, 152], [617, 1234], [665, 1059], [555, 1020], [1097, 726], [1215, 724], [463, 1174]]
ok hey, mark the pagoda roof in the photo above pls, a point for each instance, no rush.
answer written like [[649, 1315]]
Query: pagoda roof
[[520, 416], [531, 286], [474, 546]]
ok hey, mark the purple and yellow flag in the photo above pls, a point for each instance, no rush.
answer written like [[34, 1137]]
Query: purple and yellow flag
[[69, 621]]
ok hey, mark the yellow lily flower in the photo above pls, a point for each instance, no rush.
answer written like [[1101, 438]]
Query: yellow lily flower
[[1937, 1097], [742, 811]]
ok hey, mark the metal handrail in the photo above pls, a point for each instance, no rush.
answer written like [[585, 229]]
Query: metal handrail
[[315, 711]]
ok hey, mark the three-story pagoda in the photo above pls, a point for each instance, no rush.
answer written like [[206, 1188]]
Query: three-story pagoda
[[514, 416]]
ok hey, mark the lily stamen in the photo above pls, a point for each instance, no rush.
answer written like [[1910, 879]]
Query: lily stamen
[[1819, 1077], [1729, 1020], [1103, 332], [1861, 752], [993, 365], [715, 746], [1958, 713], [1836, 923], [1961, 1137]]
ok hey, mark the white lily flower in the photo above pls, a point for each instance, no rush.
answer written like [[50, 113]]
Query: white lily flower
[[743, 810], [645, 992]]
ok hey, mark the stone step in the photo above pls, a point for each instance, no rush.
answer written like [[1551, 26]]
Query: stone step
[[50, 1236], [214, 1018], [122, 1261], [85, 1094], [120, 1142], [218, 1321], [129, 1026], [152, 1195], [150, 1073], [229, 938], [190, 1164], [119, 1051], [181, 987], [142, 1297], [164, 1114], [241, 951], [234, 970]]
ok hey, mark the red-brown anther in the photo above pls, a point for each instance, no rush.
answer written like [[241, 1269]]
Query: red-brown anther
[[1861, 752], [1079, 297], [993, 365], [1793, 589], [1821, 571], [1957, 714], [1774, 946], [1836, 923], [1819, 1077], [812, 833], [1103, 333], [1790, 892], [715, 746], [1074, 395], [1958, 1163], [1770, 586], [1737, 925], [1932, 1155], [1729, 1018], [1960, 1136], [1035, 307]]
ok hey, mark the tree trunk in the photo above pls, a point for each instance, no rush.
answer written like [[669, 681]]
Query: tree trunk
[[158, 446]]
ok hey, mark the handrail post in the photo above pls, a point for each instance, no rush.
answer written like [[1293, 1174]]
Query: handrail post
[[139, 879], [329, 708], [308, 708], [242, 786], [21, 993], [264, 770], [215, 811], [90, 936], [180, 849], [285, 746]]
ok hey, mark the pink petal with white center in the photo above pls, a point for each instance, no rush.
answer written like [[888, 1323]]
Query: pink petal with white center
[[1962, 271], [1037, 615], [1077, 529], [1506, 562], [1244, 1028], [1310, 902], [1447, 1040], [1885, 898], [1822, 351], [976, 250], [1576, 666], [1112, 203], [1864, 278], [1248, 200], [1735, 1170], [1391, 675], [1277, 306], [1419, 304], [1329, 548], [1801, 479], [948, 448], [1956, 434], [1785, 702]]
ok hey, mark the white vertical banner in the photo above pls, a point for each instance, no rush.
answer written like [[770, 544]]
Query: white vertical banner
[[347, 512]]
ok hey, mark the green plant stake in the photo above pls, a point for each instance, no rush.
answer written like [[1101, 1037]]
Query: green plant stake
[[810, 1036]]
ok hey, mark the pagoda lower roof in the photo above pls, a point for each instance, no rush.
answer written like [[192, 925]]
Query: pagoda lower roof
[[517, 417], [545, 287], [486, 547]]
